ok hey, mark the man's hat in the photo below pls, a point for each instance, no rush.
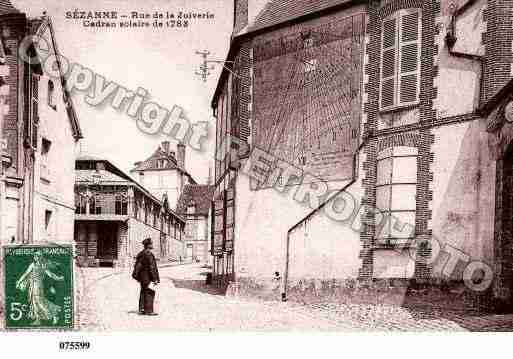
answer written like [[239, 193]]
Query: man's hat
[[147, 242]]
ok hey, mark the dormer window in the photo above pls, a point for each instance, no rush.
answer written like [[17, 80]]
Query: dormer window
[[161, 163], [191, 208]]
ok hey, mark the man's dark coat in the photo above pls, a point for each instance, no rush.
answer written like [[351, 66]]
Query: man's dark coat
[[145, 272]]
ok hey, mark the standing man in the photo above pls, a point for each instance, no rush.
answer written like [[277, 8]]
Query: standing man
[[146, 272]]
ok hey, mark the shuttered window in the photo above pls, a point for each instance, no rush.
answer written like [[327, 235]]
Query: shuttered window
[[400, 59], [35, 110]]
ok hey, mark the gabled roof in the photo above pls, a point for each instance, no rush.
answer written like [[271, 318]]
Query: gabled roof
[[276, 12], [106, 176], [150, 164], [38, 26], [197, 195], [113, 174]]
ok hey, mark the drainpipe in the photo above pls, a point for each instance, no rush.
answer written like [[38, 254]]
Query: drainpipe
[[308, 216], [451, 39]]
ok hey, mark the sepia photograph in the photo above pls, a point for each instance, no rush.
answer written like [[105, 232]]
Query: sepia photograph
[[321, 170]]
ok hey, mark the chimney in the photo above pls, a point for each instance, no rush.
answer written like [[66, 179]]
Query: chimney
[[165, 147], [240, 15], [180, 155]]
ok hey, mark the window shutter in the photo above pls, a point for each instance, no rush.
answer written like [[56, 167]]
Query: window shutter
[[35, 111], [409, 57], [388, 62]]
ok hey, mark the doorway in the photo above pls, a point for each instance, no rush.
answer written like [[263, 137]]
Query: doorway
[[107, 241], [504, 231]]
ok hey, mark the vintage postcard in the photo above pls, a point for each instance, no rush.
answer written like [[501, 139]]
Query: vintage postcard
[[255, 165]]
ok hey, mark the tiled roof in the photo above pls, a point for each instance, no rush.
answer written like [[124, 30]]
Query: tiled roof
[[199, 195], [7, 8], [105, 176], [279, 11], [112, 175], [274, 12], [86, 157], [150, 162]]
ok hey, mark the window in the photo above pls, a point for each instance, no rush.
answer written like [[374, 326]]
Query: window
[[121, 207], [92, 205], [3, 56], [191, 229], [136, 208], [45, 150], [191, 208], [51, 94], [32, 114], [396, 191], [97, 205], [48, 220], [400, 59], [161, 163], [80, 204]]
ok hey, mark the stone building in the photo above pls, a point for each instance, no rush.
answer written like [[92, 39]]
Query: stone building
[[194, 205], [40, 134], [365, 141], [164, 172], [114, 214]]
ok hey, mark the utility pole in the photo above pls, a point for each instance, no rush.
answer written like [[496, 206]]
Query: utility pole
[[204, 69]]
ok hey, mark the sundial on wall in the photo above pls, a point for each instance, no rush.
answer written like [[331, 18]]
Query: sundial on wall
[[307, 87]]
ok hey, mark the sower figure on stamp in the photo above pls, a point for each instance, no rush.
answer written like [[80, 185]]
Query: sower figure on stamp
[[146, 272]]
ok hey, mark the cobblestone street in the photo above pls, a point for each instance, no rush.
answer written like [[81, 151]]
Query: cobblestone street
[[109, 302]]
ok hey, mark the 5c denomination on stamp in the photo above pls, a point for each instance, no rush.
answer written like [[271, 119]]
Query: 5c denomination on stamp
[[38, 286]]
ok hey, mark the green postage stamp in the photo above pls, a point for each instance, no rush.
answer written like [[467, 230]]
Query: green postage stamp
[[38, 287]]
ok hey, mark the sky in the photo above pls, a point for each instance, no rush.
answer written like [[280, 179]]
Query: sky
[[163, 61]]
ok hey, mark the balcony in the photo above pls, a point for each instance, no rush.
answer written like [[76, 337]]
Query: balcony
[[101, 217]]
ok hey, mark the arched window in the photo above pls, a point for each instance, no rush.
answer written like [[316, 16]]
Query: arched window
[[396, 193], [50, 96]]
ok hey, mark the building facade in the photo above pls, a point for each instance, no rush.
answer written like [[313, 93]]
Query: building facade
[[114, 214], [355, 144], [194, 205], [164, 173], [40, 136]]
